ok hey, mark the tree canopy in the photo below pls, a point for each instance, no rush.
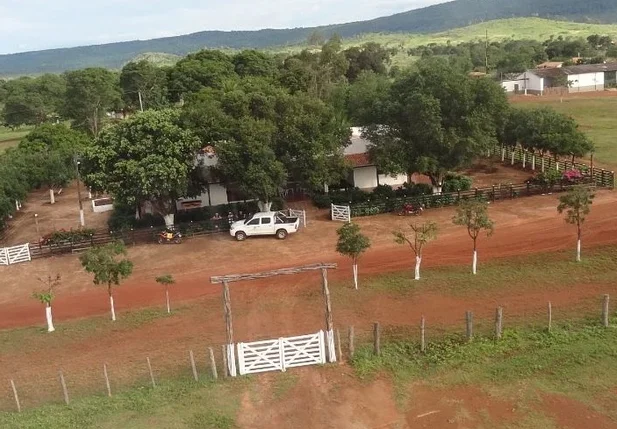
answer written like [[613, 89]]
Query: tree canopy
[[90, 94], [434, 120], [147, 157], [143, 79]]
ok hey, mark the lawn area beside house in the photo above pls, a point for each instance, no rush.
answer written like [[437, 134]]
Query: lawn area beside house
[[595, 113], [10, 138]]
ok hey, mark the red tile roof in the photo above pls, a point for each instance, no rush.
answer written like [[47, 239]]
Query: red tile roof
[[359, 160]]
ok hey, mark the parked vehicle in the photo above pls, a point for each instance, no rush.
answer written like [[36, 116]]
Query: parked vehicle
[[265, 223], [411, 210], [169, 237]]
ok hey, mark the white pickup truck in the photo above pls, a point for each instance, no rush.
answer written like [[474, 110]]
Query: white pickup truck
[[265, 223]]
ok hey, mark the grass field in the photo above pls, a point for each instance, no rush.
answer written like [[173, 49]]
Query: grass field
[[9, 138], [596, 117], [527, 363]]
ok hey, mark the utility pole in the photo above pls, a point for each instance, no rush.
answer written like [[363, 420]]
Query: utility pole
[[82, 220], [141, 104]]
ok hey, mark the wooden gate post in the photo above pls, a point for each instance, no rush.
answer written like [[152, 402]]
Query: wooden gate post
[[64, 389], [422, 335], [16, 396], [229, 348], [550, 316], [329, 323], [469, 325], [605, 318], [498, 322], [376, 339], [352, 348]]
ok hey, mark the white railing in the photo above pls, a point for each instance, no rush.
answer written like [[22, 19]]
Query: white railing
[[282, 353], [340, 213], [15, 254], [300, 214]]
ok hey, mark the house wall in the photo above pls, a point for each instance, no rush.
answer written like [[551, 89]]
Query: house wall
[[510, 85], [586, 82], [218, 196], [398, 180], [532, 83], [365, 177]]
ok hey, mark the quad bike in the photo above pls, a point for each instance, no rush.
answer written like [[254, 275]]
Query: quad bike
[[169, 237], [411, 210]]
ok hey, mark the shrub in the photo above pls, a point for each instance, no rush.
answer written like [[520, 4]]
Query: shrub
[[414, 190], [322, 201], [383, 192], [456, 182], [70, 236]]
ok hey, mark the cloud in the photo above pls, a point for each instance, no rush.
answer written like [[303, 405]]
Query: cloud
[[42, 24]]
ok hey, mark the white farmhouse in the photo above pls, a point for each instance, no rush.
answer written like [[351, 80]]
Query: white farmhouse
[[582, 78], [365, 174]]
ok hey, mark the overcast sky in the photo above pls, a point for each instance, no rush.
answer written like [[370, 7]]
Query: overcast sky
[[27, 25]]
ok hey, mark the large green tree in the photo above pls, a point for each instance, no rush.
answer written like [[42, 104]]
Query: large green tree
[[90, 94], [435, 120], [146, 158], [49, 153], [301, 133], [204, 69], [33, 101], [144, 85]]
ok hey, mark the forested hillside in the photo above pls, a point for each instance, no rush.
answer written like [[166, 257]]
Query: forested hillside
[[455, 14]]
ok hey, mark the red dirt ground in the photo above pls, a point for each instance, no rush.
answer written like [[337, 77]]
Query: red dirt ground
[[522, 226]]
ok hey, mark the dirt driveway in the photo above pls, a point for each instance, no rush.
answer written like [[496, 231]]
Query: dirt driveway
[[523, 226]]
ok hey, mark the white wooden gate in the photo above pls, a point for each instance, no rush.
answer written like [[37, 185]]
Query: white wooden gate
[[300, 214], [15, 254], [282, 353], [340, 213]]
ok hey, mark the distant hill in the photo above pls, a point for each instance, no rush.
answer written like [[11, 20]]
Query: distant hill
[[441, 17]]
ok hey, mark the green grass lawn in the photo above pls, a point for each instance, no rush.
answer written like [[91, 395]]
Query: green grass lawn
[[10, 138], [596, 116]]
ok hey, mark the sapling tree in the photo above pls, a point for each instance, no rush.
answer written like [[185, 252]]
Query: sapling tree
[[577, 205], [473, 215], [104, 263], [166, 280], [352, 243], [46, 297], [421, 234]]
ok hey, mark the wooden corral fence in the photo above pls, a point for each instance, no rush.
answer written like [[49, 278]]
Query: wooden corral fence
[[519, 157]]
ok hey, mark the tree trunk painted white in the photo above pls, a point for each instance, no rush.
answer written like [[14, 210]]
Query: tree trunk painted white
[[557, 165], [50, 321], [326, 188], [533, 162], [474, 266], [82, 220], [113, 309], [355, 275], [167, 299], [169, 220], [437, 189], [16, 205], [417, 272], [264, 206], [512, 158], [578, 250], [542, 164], [503, 154], [89, 193], [524, 159], [52, 197]]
